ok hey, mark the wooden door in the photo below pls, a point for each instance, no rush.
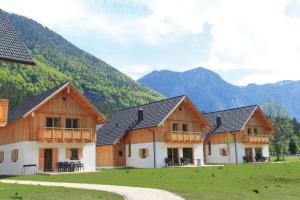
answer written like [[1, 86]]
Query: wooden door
[[48, 160]]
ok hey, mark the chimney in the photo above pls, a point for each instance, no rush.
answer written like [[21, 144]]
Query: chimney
[[219, 121], [140, 114]]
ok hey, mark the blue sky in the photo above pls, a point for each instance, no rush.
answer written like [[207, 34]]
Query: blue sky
[[244, 41]]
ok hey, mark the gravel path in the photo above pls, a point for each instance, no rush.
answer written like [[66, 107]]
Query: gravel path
[[129, 193]]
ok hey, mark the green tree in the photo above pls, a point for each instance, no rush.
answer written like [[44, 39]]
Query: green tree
[[228, 140], [282, 124], [293, 148], [296, 125]]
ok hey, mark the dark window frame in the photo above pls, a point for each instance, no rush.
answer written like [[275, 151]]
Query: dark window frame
[[249, 131], [255, 131], [70, 123], [184, 127], [120, 153], [53, 122], [74, 154], [175, 127]]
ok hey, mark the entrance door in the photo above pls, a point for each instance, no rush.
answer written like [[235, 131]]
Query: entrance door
[[248, 154], [48, 160], [188, 154], [173, 155]]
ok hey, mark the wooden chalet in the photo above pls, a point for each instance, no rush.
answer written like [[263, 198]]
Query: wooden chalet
[[153, 135], [56, 126], [239, 135]]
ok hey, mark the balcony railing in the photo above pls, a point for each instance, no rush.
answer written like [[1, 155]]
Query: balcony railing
[[256, 139], [80, 135], [183, 137]]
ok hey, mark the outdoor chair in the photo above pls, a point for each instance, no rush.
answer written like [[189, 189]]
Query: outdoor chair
[[168, 162], [79, 166], [60, 166], [258, 158], [183, 161], [65, 166], [72, 166]]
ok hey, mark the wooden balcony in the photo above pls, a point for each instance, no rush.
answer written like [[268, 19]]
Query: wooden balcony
[[70, 135], [184, 137], [256, 139]]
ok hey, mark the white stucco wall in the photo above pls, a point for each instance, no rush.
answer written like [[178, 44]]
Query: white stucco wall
[[215, 156], [88, 158], [161, 154], [138, 162], [29, 154], [198, 153]]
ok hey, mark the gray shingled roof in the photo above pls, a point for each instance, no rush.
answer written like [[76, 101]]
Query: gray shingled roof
[[127, 119], [19, 111], [11, 47], [231, 120]]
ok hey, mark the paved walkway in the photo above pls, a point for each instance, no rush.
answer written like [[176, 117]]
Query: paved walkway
[[129, 193]]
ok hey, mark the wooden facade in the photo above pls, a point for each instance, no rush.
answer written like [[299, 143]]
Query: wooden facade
[[184, 114], [111, 155], [67, 104], [3, 112]]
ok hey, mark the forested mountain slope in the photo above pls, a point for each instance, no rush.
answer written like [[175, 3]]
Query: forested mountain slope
[[57, 61]]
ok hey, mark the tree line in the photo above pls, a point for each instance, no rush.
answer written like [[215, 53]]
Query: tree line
[[286, 135]]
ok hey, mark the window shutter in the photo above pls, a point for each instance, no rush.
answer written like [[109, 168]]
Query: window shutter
[[17, 155], [221, 152], [80, 153], [54, 158], [14, 155], [68, 153], [226, 152], [1, 156], [41, 159], [146, 153], [140, 153]]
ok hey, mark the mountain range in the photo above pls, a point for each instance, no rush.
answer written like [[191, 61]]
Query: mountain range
[[58, 60], [210, 92]]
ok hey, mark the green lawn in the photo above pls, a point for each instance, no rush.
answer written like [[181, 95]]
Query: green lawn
[[272, 181], [7, 191]]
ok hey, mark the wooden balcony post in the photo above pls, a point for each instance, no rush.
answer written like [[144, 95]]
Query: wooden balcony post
[[52, 130], [63, 135], [72, 135]]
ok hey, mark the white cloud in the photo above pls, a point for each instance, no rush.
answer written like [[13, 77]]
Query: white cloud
[[251, 34]]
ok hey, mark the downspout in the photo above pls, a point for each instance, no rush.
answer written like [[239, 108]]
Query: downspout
[[154, 148]]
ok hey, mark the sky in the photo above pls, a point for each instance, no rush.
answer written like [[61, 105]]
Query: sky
[[249, 41]]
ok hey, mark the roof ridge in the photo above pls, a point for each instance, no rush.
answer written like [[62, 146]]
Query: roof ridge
[[55, 87], [151, 103], [230, 109]]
